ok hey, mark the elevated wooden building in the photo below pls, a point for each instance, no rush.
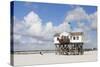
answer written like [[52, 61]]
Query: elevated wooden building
[[69, 43]]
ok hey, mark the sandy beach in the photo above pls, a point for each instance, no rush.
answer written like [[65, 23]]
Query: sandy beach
[[52, 58]]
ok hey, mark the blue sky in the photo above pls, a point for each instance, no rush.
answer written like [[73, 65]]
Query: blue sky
[[43, 20], [48, 12]]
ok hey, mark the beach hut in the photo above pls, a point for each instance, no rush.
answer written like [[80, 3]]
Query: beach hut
[[70, 43]]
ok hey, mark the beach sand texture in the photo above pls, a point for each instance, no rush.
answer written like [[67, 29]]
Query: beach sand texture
[[52, 58]]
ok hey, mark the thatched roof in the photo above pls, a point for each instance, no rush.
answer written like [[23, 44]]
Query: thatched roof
[[57, 34], [76, 33], [71, 33]]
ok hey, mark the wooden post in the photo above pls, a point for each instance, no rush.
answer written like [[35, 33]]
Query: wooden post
[[82, 51]]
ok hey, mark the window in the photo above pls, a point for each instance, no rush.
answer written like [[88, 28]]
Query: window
[[77, 38], [73, 38]]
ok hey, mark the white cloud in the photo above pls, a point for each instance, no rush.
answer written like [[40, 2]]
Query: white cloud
[[42, 34], [79, 14], [93, 18], [76, 14], [36, 27], [64, 27], [31, 18], [33, 22], [49, 26]]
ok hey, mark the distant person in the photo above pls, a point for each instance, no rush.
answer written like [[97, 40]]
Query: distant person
[[41, 53]]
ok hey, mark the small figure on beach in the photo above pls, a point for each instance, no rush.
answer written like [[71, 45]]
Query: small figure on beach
[[41, 53]]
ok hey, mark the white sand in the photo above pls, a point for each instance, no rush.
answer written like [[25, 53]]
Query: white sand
[[51, 58]]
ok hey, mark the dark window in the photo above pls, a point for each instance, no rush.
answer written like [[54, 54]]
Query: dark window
[[73, 38]]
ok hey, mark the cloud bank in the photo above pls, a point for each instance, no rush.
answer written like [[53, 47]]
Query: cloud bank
[[31, 32]]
